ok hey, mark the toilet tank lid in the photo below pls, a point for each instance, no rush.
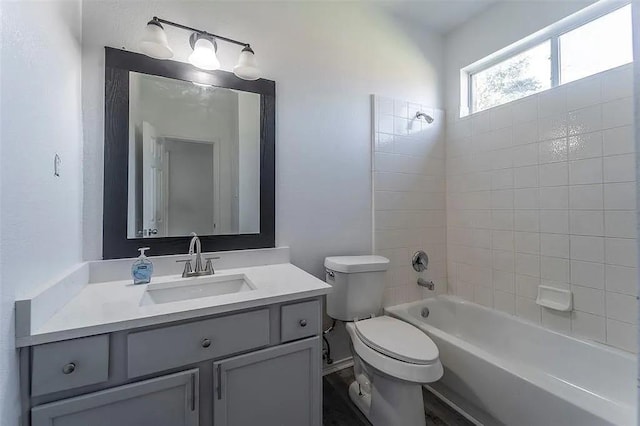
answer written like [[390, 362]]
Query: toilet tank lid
[[350, 264]]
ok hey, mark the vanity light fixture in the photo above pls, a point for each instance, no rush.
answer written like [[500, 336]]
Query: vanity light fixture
[[204, 44]]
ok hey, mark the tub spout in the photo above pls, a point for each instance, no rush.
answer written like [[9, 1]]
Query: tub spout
[[428, 284]]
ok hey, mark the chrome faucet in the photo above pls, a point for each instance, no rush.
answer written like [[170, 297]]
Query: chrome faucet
[[424, 283], [195, 248]]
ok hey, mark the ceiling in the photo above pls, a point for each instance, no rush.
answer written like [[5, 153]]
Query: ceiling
[[441, 16]]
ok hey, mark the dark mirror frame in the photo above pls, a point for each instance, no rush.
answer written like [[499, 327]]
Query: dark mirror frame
[[115, 244]]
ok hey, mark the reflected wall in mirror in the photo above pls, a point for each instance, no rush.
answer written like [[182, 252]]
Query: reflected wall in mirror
[[194, 159]]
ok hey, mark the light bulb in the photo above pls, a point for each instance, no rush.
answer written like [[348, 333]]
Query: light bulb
[[247, 69], [204, 55], [154, 43]]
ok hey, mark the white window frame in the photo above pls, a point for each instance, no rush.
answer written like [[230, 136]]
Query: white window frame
[[551, 33]]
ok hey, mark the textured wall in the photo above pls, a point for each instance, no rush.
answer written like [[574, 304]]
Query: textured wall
[[41, 223]]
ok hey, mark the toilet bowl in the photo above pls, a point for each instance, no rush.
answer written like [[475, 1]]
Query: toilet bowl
[[392, 358]]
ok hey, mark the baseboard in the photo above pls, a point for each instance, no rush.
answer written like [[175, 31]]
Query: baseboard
[[454, 406], [337, 366]]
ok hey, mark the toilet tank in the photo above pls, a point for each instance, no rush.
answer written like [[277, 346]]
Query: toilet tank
[[358, 286]]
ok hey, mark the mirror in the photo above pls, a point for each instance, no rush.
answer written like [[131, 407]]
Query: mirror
[[185, 150], [194, 159]]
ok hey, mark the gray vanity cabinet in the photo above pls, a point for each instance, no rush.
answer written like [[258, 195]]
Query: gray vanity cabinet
[[170, 400], [273, 387], [260, 366]]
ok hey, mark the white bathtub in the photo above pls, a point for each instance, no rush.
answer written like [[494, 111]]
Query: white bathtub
[[502, 370]]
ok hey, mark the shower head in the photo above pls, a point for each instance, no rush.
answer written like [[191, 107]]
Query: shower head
[[428, 118]]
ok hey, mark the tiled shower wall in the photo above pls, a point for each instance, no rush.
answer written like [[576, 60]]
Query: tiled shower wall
[[409, 195], [542, 191]]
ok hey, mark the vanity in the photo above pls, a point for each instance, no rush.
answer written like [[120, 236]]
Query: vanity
[[186, 150], [119, 354]]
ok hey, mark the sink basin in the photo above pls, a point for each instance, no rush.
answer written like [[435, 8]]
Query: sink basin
[[195, 288]]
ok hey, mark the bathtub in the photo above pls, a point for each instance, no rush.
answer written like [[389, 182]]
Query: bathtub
[[501, 370]]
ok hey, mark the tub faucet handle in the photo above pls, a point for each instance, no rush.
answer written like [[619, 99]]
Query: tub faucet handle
[[420, 261]]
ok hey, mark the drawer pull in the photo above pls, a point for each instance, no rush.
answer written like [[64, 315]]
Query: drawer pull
[[69, 368], [303, 323], [206, 343]]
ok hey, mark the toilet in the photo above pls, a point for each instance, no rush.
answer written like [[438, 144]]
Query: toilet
[[392, 359]]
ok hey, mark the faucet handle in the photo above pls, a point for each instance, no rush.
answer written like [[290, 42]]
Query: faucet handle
[[187, 267], [208, 268]]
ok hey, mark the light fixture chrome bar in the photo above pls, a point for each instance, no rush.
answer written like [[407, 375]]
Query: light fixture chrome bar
[[195, 30]]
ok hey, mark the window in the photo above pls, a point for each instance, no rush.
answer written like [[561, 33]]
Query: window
[[591, 41], [521, 75]]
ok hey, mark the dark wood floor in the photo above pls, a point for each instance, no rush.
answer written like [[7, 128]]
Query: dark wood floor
[[338, 410]]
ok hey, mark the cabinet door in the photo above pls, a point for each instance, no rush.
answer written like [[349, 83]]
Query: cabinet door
[[278, 386], [170, 400]]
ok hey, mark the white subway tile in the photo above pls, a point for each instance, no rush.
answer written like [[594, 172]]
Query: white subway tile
[[617, 83], [505, 302], [555, 245], [588, 145], [502, 219], [586, 197], [400, 109], [552, 102], [620, 196], [526, 198], [557, 321], [552, 151], [587, 274], [585, 120], [527, 309], [385, 124], [526, 220], [525, 133], [583, 93], [483, 296], [588, 300], [502, 199], [621, 279], [526, 177], [554, 221], [617, 113], [622, 307], [554, 269], [585, 171], [588, 326], [590, 249], [618, 140], [527, 286], [503, 260], [620, 168], [527, 264], [586, 222], [502, 116], [502, 240], [384, 142], [552, 127], [621, 251], [525, 155], [504, 281], [525, 109], [502, 179], [527, 242], [554, 174], [621, 224], [556, 197], [622, 335]]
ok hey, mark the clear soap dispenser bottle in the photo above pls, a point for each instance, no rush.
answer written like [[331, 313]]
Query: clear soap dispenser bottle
[[142, 268]]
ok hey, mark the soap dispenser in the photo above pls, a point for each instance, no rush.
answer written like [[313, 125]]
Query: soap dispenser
[[142, 268]]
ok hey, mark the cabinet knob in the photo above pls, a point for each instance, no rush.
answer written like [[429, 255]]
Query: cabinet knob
[[303, 323], [69, 368], [206, 343]]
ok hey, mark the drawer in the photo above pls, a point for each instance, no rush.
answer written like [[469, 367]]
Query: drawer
[[299, 320], [180, 345], [69, 364]]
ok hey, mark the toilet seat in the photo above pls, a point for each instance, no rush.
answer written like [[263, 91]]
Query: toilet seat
[[397, 339], [392, 366]]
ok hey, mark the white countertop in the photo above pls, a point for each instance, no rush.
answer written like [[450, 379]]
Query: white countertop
[[112, 306]]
